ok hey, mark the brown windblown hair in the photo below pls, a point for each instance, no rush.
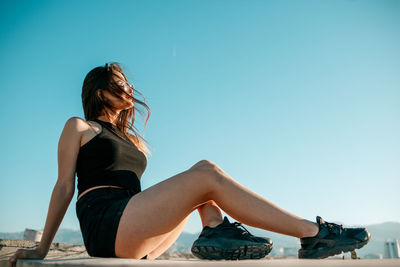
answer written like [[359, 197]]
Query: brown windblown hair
[[102, 77]]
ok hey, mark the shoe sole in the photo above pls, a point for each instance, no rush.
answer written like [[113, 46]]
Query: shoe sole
[[321, 253], [241, 253]]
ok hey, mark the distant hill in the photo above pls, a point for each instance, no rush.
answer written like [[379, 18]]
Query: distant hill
[[16, 235], [379, 233], [63, 235], [69, 236]]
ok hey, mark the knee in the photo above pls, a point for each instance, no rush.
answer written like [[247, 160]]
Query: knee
[[208, 168], [200, 163], [204, 165]]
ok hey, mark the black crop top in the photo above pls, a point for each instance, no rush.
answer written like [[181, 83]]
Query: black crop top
[[110, 159]]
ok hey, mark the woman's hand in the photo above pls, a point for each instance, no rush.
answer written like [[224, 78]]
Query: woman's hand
[[26, 254]]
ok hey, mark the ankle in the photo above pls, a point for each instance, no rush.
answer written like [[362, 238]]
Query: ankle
[[311, 231], [213, 223]]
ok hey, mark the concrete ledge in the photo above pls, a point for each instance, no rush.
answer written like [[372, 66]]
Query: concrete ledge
[[115, 262], [57, 250]]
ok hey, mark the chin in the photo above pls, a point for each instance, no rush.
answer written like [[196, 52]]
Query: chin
[[129, 107]]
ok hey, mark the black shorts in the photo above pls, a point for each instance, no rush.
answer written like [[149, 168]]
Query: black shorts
[[99, 212]]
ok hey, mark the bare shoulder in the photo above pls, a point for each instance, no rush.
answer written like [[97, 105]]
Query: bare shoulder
[[80, 125], [72, 131], [76, 123], [82, 129]]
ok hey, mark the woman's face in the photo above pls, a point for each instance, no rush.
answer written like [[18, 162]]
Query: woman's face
[[117, 103]]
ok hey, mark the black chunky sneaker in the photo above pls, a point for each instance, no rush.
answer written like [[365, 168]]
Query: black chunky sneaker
[[332, 239], [227, 241]]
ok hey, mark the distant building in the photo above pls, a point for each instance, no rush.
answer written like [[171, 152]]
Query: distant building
[[391, 249], [32, 235]]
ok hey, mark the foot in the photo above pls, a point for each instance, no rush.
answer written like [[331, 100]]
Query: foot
[[332, 239], [227, 241]]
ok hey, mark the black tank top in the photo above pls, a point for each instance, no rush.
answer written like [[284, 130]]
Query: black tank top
[[110, 158]]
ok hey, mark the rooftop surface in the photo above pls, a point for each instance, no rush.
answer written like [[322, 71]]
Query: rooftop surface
[[62, 254], [114, 262]]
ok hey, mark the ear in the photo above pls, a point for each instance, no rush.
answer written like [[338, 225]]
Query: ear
[[98, 92]]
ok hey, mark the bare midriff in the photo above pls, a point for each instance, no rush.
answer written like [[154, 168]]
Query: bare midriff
[[100, 186]]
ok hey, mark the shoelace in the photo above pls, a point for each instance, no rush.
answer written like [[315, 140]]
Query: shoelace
[[334, 228], [234, 226], [237, 224]]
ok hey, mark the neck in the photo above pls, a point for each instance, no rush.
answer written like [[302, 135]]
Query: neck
[[113, 119]]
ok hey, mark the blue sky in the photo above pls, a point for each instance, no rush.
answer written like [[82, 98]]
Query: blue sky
[[296, 100]]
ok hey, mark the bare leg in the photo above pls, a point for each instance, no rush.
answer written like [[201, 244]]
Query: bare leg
[[257, 211], [159, 209], [170, 238], [210, 214]]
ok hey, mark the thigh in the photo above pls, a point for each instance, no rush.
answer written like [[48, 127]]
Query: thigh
[[158, 210], [169, 239]]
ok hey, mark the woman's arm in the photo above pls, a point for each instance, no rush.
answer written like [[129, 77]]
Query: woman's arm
[[68, 149], [59, 202]]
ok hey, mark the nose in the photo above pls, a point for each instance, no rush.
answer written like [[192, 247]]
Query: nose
[[128, 89]]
